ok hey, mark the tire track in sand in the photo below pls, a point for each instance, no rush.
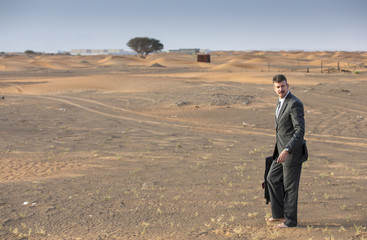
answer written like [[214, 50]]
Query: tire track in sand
[[342, 111], [181, 123]]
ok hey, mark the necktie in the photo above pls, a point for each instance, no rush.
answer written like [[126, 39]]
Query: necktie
[[278, 109]]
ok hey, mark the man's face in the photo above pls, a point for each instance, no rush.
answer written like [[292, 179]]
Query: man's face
[[281, 89]]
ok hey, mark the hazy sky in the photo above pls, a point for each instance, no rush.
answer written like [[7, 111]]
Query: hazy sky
[[52, 25]]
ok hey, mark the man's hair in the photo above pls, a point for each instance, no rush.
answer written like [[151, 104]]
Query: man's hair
[[279, 78]]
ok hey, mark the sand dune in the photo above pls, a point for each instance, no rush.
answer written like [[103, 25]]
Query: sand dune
[[106, 59], [225, 66], [234, 66], [111, 147], [3, 67], [232, 60], [45, 64], [120, 60]]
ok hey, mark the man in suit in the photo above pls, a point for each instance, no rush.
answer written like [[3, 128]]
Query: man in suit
[[289, 153]]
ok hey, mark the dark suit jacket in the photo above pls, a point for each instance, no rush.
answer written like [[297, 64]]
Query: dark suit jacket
[[290, 131]]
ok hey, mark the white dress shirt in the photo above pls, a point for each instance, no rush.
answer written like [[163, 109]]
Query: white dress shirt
[[281, 100]]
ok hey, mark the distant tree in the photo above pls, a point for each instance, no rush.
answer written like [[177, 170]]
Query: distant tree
[[29, 52], [144, 45]]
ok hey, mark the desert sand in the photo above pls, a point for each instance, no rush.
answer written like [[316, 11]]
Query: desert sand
[[119, 147]]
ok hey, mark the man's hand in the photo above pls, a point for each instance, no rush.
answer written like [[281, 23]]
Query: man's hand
[[282, 157]]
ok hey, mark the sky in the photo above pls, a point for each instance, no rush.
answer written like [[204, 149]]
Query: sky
[[243, 25]]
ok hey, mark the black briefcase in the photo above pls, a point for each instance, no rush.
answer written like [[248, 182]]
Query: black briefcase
[[268, 162]]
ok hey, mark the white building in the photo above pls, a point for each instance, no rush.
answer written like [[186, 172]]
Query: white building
[[100, 52], [186, 50], [190, 50]]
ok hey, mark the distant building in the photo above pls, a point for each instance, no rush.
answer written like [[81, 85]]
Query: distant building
[[186, 50], [100, 52], [203, 58], [205, 51]]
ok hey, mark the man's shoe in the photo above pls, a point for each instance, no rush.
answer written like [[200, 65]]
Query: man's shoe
[[275, 219], [282, 225]]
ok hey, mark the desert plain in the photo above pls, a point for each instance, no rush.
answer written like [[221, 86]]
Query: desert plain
[[119, 147]]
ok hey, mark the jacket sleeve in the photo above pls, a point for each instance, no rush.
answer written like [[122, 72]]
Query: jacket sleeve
[[298, 121]]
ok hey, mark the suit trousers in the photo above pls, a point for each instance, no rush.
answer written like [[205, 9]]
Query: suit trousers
[[283, 183]]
